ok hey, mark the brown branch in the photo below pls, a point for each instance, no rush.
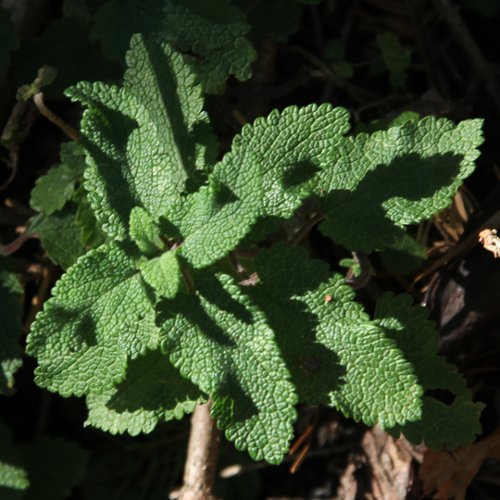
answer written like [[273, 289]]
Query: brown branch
[[464, 246], [201, 461], [51, 116], [483, 68]]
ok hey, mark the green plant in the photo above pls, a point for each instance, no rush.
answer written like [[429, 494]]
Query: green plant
[[170, 311]]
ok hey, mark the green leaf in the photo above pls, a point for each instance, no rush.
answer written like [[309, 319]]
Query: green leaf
[[163, 273], [166, 87], [99, 315], [145, 231], [404, 256], [11, 311], [13, 475], [54, 189], [286, 276], [271, 168], [336, 354], [60, 236], [352, 264], [54, 466], [444, 425], [143, 139], [91, 234], [221, 342], [153, 391], [213, 34], [441, 424], [396, 57], [379, 183], [8, 39]]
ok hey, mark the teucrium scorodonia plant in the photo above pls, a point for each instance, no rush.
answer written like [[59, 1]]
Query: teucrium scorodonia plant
[[152, 322]]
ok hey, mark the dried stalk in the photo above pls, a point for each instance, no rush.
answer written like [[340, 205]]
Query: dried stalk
[[201, 461]]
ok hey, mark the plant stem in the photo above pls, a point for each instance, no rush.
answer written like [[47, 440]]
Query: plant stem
[[201, 461], [67, 129]]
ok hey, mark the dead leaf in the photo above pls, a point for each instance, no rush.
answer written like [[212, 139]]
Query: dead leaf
[[449, 473], [390, 462]]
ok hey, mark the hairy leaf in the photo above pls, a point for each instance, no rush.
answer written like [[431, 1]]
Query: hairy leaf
[[60, 236], [212, 33], [441, 425], [163, 273], [336, 354], [376, 184], [145, 231], [100, 314], [153, 391], [221, 342], [13, 475], [271, 168], [144, 140], [57, 186]]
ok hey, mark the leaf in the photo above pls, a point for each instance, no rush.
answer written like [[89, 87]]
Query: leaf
[[449, 474], [213, 34], [153, 391], [141, 140], [404, 256], [396, 57], [59, 235], [54, 466], [8, 39], [377, 184], [221, 342], [441, 425], [271, 168], [54, 189], [91, 234], [13, 476], [286, 276], [11, 312], [370, 378], [163, 274], [145, 231], [99, 315], [182, 127]]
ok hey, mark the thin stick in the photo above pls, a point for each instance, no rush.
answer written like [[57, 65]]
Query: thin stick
[[464, 246], [201, 461], [67, 129]]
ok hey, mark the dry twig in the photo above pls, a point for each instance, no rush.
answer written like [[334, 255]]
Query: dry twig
[[201, 461]]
